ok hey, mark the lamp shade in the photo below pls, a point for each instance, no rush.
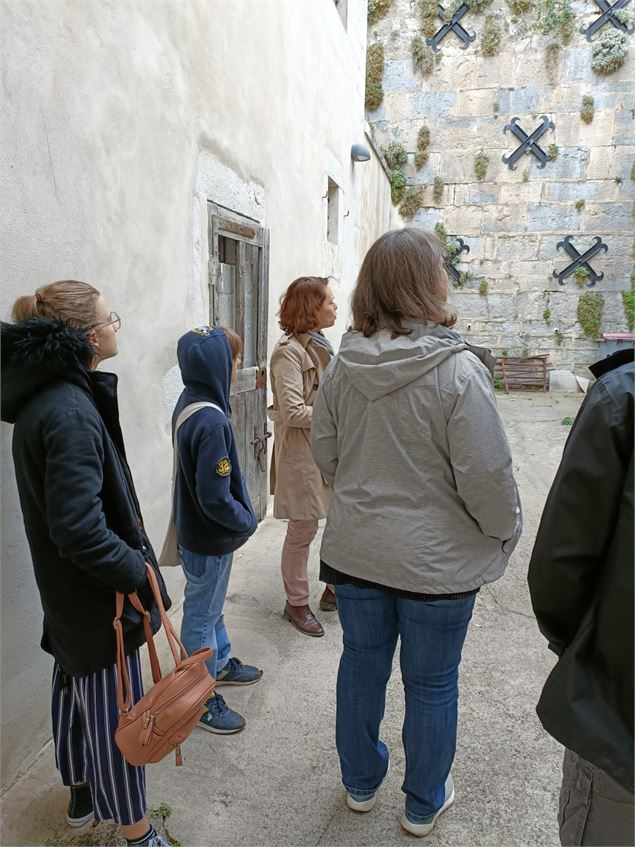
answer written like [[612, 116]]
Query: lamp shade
[[359, 153]]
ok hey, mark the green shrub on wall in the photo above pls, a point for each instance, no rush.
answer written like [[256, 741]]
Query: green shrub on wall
[[422, 56], [481, 163], [437, 190], [413, 199], [491, 37], [377, 9], [587, 112], [428, 16], [609, 52], [590, 308], [628, 299], [374, 74], [423, 142], [395, 154], [397, 185]]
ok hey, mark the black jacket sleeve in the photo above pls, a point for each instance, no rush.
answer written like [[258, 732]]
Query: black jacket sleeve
[[579, 518], [76, 521]]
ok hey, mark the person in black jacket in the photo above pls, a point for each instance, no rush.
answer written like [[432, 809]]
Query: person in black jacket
[[85, 532], [581, 585], [212, 509]]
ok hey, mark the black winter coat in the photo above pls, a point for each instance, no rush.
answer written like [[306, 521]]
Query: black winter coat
[[581, 578], [81, 514]]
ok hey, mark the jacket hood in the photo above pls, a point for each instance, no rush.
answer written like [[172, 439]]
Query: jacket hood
[[380, 364], [205, 360], [36, 352]]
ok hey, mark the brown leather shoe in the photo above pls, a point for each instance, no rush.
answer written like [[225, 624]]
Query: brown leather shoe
[[303, 620], [328, 600]]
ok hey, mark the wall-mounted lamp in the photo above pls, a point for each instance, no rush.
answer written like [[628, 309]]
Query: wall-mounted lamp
[[359, 153]]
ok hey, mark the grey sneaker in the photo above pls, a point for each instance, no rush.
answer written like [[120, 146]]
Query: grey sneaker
[[425, 827], [219, 718], [153, 840]]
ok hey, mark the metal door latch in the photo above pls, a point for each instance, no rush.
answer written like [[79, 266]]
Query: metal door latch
[[259, 443]]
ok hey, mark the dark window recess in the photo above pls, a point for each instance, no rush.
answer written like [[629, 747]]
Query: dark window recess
[[333, 212]]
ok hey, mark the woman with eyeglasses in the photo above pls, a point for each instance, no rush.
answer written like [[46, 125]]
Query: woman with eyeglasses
[[86, 536]]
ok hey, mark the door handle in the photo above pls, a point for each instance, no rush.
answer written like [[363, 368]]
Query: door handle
[[259, 443]]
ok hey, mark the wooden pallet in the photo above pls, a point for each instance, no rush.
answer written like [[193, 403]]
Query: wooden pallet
[[523, 373]]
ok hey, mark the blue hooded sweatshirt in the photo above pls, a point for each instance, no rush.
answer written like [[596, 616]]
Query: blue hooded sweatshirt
[[212, 508]]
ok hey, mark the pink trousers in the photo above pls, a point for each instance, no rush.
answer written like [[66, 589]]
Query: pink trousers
[[295, 556]]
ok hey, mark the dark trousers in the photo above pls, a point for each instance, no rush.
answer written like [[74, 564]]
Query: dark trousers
[[594, 809], [85, 716]]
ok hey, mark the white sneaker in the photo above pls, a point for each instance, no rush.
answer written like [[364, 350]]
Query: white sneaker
[[364, 805], [422, 829], [361, 805]]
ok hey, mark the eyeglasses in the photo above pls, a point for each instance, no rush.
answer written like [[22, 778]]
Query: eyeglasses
[[113, 319]]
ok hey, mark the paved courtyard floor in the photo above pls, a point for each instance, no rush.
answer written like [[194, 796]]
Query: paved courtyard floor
[[278, 783]]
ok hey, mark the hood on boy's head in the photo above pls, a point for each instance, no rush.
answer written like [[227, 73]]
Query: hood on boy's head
[[205, 360]]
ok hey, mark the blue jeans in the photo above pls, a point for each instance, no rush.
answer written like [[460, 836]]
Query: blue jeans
[[432, 636], [203, 624]]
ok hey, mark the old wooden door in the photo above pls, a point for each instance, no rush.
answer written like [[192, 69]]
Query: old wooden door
[[239, 288]]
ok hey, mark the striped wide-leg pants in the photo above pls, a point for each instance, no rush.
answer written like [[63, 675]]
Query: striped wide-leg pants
[[85, 716]]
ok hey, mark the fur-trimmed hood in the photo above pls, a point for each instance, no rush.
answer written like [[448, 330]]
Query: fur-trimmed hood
[[36, 352]]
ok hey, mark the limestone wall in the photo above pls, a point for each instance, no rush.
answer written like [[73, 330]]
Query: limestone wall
[[513, 219]]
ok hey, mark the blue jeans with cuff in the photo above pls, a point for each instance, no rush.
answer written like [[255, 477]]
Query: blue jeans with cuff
[[432, 636], [203, 623]]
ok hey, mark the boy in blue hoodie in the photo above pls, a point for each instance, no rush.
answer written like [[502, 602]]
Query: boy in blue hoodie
[[213, 514]]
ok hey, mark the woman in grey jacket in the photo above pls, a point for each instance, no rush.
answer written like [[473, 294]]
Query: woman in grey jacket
[[424, 511]]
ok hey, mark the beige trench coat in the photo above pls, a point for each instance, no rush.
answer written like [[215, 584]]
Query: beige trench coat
[[299, 489]]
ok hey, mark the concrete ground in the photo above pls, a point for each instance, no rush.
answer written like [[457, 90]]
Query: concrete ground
[[278, 783]]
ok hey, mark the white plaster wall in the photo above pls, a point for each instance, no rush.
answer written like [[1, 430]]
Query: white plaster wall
[[120, 119]]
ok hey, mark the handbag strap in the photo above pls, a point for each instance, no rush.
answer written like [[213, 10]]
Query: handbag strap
[[124, 690]]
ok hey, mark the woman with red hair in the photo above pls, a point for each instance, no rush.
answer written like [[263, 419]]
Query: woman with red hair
[[301, 495]]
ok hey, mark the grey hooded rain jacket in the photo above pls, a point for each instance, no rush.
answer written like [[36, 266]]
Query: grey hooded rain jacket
[[407, 432]]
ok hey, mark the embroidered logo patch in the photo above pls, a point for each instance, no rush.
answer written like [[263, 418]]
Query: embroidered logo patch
[[203, 330], [223, 467]]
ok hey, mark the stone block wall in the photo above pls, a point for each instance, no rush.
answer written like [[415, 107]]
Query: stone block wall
[[512, 220]]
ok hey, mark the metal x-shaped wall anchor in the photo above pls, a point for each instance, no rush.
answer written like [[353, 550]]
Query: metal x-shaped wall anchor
[[607, 16], [449, 266], [529, 144], [454, 26], [581, 260]]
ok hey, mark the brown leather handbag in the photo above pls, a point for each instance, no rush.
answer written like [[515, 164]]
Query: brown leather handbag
[[165, 716]]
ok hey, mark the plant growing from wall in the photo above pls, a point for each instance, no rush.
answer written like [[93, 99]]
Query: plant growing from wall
[[437, 190], [374, 74], [525, 176], [546, 315], [609, 52], [504, 353], [423, 143], [483, 287], [552, 59], [397, 186], [633, 170], [587, 112], [464, 277], [422, 56], [481, 163], [553, 151], [441, 234], [413, 199], [496, 107], [428, 16], [628, 300], [559, 336], [555, 18], [579, 205], [520, 7], [623, 17], [491, 36], [395, 154], [377, 9], [476, 5], [580, 274], [590, 307]]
